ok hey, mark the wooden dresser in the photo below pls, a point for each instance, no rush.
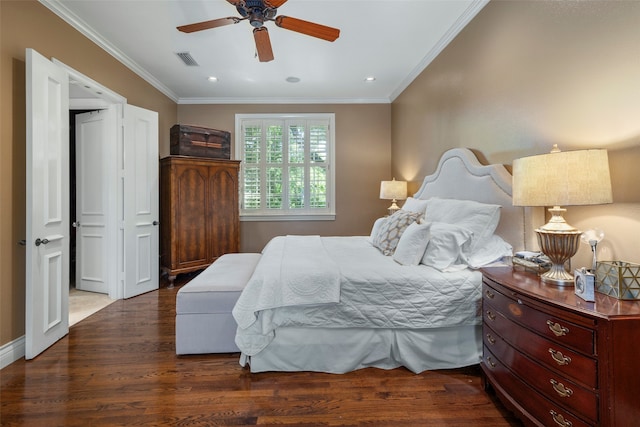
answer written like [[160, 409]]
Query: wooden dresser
[[199, 214], [556, 360]]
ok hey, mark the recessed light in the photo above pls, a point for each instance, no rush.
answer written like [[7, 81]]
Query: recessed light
[[370, 79], [212, 79], [293, 79]]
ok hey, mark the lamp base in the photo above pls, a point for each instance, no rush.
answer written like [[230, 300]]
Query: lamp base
[[559, 246], [393, 208]]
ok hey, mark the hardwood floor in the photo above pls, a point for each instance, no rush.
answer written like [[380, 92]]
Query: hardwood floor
[[119, 368]]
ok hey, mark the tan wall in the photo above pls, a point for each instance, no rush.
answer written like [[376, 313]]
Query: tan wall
[[363, 159], [28, 24], [524, 75]]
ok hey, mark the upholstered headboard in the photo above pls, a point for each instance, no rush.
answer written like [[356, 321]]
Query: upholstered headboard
[[460, 175]]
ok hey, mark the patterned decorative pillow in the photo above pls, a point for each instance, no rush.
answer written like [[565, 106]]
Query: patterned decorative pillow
[[390, 231]]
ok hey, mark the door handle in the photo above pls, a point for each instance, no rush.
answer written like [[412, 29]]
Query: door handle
[[75, 224], [155, 223], [22, 242], [40, 241]]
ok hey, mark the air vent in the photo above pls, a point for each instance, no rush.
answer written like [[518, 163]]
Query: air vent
[[187, 59]]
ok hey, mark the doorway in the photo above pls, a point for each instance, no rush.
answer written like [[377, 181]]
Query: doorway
[[82, 302], [126, 250]]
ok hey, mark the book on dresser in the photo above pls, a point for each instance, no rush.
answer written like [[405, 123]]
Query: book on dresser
[[557, 360], [199, 212]]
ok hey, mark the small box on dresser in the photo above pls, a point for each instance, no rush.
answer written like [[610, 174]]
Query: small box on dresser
[[619, 279], [555, 359]]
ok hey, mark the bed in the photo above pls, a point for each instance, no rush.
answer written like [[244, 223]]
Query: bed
[[337, 304]]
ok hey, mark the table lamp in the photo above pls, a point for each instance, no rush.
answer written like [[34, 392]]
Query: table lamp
[[393, 190], [568, 178]]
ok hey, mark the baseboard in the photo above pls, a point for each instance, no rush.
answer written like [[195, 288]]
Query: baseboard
[[11, 351]]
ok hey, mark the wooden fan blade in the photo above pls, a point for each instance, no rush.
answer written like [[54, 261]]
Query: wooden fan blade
[[263, 44], [205, 25], [309, 28], [235, 2], [275, 3]]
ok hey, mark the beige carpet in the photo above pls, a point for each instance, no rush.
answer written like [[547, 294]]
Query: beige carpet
[[83, 304]]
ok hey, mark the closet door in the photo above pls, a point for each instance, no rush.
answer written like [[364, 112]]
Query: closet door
[[141, 208], [47, 196]]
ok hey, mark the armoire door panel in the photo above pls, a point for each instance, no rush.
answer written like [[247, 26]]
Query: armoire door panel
[[191, 210]]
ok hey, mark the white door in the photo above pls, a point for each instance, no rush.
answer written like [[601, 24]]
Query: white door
[[141, 210], [47, 193], [95, 185]]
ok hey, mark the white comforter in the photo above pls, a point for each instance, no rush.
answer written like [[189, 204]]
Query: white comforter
[[362, 288]]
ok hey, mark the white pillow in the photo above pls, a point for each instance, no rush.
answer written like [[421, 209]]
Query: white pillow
[[376, 227], [446, 248], [479, 218], [388, 235], [415, 205], [412, 244], [493, 250]]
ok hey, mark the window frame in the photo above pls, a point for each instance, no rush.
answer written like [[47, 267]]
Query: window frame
[[286, 214]]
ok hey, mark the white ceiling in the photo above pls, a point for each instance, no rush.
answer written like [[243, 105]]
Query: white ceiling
[[392, 40]]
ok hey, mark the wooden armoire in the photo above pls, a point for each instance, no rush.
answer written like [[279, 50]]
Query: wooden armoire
[[199, 213]]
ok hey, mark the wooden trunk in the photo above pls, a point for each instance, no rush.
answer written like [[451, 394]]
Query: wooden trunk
[[196, 141], [199, 213]]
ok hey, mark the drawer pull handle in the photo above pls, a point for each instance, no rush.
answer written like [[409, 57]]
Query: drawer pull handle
[[491, 362], [491, 339], [489, 294], [560, 358], [557, 329], [561, 389], [490, 315], [559, 419]]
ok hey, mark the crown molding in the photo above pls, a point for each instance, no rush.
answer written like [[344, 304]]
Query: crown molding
[[195, 101], [72, 19], [453, 31]]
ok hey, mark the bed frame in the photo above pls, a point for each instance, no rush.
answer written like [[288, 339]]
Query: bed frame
[[459, 175]]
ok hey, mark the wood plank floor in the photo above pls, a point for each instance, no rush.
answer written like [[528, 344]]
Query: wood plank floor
[[119, 368]]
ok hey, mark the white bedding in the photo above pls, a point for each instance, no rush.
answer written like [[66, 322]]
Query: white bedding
[[373, 291]]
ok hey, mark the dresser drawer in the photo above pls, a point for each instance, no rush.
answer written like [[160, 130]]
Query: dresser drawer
[[550, 354], [537, 406], [555, 387], [561, 330]]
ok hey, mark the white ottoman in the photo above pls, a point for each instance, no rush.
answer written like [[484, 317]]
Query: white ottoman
[[204, 323]]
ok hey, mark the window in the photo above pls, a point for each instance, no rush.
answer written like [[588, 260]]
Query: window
[[287, 166]]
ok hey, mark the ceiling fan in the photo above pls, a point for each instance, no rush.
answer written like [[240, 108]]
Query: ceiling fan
[[258, 12]]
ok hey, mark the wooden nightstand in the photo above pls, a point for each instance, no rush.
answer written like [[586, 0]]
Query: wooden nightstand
[[555, 359]]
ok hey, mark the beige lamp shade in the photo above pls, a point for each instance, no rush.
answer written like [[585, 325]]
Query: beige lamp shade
[[393, 190], [562, 178]]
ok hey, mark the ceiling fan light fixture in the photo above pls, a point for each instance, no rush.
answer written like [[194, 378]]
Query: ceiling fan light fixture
[[257, 12]]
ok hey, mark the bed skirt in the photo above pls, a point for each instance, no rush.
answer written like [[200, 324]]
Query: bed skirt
[[344, 350]]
